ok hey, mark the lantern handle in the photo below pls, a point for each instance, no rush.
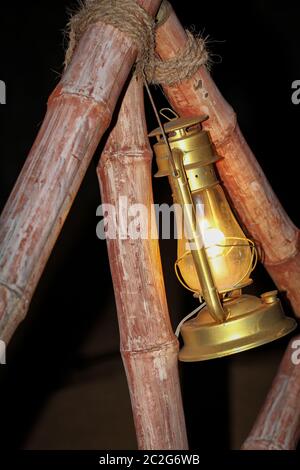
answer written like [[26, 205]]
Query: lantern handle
[[176, 116], [170, 155]]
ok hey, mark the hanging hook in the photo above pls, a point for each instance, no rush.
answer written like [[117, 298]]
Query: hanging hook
[[171, 157], [176, 116]]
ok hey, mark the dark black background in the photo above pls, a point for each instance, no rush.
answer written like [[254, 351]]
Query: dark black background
[[256, 49]]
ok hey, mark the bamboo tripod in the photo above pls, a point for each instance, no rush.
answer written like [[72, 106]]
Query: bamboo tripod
[[79, 112]]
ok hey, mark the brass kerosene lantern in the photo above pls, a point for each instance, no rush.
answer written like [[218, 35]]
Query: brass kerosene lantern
[[215, 259]]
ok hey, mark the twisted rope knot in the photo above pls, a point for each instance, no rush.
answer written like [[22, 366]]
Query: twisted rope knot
[[130, 18], [180, 68]]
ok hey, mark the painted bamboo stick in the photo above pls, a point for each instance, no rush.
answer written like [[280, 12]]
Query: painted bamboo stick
[[278, 424], [257, 205], [148, 346], [79, 111]]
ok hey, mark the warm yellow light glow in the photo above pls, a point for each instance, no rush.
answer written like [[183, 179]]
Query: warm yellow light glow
[[227, 248], [213, 239]]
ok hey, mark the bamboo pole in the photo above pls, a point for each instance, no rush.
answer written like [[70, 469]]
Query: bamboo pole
[[148, 346], [257, 205], [79, 111], [278, 424]]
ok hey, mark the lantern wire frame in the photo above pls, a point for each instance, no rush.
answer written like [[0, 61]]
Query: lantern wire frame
[[252, 265]]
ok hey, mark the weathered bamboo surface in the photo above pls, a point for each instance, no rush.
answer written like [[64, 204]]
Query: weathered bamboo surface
[[278, 424], [79, 111], [257, 205], [148, 346]]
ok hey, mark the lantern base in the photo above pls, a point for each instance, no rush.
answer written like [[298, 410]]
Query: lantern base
[[251, 322]]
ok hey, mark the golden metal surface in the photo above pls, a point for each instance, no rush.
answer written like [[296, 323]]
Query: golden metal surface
[[197, 152], [183, 125], [235, 322], [210, 292], [251, 323], [269, 297], [200, 178]]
